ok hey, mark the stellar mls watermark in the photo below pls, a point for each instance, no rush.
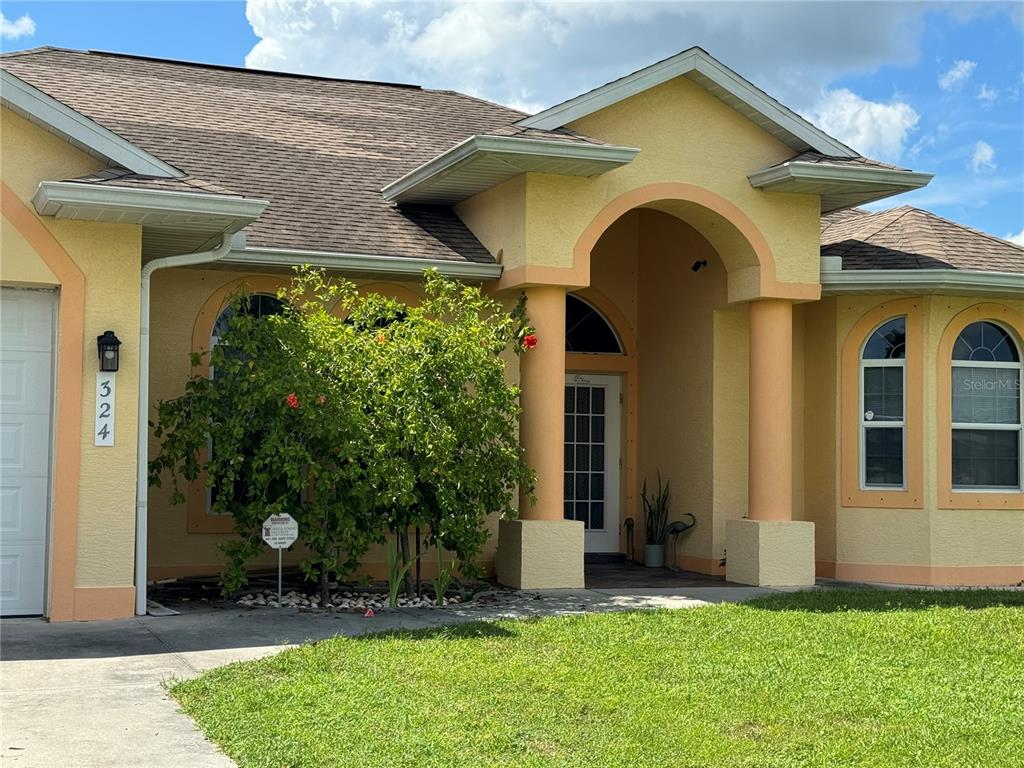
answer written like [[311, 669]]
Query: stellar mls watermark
[[990, 385]]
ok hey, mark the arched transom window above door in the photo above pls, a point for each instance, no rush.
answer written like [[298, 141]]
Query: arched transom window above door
[[587, 330]]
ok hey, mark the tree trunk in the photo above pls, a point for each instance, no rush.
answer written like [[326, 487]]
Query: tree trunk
[[419, 580], [325, 591], [403, 540]]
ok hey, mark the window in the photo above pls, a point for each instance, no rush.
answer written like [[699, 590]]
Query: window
[[986, 440], [883, 406], [586, 329], [257, 305]]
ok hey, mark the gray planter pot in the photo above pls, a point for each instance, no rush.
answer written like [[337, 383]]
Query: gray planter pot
[[654, 555]]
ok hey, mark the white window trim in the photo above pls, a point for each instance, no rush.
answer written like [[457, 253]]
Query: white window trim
[[865, 424], [970, 425]]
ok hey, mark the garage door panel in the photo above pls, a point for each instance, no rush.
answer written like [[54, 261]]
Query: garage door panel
[[21, 580], [20, 374], [26, 320], [26, 397], [20, 520]]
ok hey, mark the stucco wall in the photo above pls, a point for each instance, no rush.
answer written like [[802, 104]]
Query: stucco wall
[[109, 256], [929, 544]]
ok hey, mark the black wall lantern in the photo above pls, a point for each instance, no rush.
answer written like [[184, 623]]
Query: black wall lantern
[[109, 356]]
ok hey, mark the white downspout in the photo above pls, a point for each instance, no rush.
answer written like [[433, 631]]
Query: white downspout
[[142, 470]]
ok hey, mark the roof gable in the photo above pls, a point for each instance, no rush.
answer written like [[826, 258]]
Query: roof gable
[[706, 71]]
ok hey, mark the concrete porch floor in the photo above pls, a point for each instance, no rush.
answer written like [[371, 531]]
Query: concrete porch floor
[[626, 574]]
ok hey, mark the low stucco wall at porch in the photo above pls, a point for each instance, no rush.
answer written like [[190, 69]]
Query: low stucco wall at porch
[[929, 544], [179, 295], [95, 267]]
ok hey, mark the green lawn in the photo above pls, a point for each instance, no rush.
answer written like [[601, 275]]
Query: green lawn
[[836, 678]]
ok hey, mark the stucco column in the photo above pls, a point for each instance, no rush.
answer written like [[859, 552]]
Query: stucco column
[[542, 379], [768, 547], [770, 478], [542, 550]]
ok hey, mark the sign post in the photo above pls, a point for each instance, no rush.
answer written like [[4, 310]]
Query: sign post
[[280, 532]]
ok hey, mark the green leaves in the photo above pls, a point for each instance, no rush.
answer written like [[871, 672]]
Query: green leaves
[[358, 415]]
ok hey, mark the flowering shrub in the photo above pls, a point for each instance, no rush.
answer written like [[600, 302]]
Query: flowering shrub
[[360, 416]]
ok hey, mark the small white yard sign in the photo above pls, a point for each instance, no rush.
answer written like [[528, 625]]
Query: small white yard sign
[[103, 432], [280, 532]]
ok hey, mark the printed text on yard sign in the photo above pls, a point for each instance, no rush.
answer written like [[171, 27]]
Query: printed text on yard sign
[[280, 531]]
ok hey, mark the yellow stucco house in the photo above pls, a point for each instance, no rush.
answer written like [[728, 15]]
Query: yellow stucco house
[[831, 391]]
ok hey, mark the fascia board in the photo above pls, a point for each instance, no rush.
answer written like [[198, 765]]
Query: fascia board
[[359, 263], [51, 196], [62, 120], [922, 281], [823, 172], [449, 161], [683, 63]]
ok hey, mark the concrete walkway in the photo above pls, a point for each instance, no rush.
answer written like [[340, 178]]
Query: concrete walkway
[[91, 694]]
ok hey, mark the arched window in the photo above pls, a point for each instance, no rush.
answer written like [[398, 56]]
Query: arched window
[[255, 305], [986, 409], [883, 406], [587, 330]]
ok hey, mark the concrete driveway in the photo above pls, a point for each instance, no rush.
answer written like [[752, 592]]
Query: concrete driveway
[[91, 694]]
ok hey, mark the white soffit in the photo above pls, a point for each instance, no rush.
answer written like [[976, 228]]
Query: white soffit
[[706, 71], [88, 135], [482, 162]]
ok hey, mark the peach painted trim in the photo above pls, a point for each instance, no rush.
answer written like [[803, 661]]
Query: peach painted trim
[[824, 569], [628, 366], [577, 276], [931, 575], [93, 603], [198, 518], [770, 449], [67, 458], [769, 286], [948, 498], [853, 495]]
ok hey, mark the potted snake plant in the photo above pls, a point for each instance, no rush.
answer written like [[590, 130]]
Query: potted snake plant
[[656, 519]]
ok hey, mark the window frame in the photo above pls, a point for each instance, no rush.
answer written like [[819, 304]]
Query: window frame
[[854, 492], [970, 497], [1018, 427], [865, 424]]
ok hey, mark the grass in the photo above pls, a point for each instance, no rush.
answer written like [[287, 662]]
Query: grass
[[823, 678]]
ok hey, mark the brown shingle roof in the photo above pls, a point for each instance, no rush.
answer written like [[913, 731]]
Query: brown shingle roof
[[910, 238], [810, 156], [319, 149]]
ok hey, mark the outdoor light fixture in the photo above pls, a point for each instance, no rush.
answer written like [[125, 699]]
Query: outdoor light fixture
[[107, 345], [699, 265]]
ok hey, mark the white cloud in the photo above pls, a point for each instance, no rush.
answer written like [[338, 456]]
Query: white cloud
[[1018, 238], [987, 95], [873, 128], [957, 75], [983, 158], [544, 51], [23, 26]]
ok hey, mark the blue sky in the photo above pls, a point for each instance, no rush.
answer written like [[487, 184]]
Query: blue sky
[[937, 88]]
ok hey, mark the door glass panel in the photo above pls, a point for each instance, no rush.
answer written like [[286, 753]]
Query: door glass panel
[[585, 478]]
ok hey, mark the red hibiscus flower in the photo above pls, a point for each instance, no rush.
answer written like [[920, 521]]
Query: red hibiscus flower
[[529, 341], [292, 400]]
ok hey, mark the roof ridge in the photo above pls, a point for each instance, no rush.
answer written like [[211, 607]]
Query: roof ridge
[[479, 99], [989, 235], [37, 49], [225, 67]]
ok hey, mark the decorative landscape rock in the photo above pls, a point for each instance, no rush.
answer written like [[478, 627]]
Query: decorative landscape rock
[[339, 601]]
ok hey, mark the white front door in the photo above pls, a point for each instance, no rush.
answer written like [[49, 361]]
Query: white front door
[[592, 428], [26, 399]]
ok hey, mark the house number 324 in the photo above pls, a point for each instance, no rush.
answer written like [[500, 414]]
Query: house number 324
[[104, 431]]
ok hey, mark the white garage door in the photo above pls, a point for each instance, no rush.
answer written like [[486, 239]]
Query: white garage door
[[26, 397]]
